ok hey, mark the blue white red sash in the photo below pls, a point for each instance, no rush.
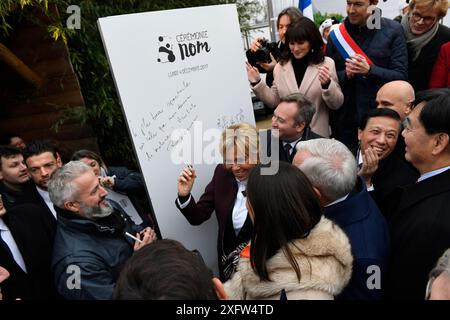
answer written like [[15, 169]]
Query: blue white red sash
[[346, 46]]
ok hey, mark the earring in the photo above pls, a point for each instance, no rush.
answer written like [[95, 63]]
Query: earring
[[312, 50]]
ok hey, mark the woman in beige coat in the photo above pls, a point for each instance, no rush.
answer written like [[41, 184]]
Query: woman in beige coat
[[303, 69], [294, 249]]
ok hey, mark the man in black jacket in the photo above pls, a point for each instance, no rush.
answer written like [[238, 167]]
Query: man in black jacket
[[420, 222], [424, 37], [94, 236], [290, 124], [382, 169], [14, 178]]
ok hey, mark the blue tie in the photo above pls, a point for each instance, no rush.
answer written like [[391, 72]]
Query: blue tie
[[287, 150]]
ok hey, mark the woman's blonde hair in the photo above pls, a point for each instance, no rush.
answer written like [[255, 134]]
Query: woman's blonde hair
[[441, 5], [244, 139]]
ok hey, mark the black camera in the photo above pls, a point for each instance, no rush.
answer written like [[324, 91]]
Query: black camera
[[267, 48]]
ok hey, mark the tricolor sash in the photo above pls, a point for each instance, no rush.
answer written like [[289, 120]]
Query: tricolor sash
[[346, 46]]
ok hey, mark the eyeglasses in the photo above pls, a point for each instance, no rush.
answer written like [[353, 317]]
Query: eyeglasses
[[417, 17]]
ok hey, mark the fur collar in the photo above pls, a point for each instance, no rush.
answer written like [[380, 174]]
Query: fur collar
[[325, 263]]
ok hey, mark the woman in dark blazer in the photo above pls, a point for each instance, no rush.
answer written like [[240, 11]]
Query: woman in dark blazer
[[225, 195]]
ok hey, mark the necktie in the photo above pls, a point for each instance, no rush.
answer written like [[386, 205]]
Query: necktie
[[287, 150]]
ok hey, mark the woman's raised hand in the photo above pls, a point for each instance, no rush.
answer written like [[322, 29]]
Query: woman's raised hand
[[186, 181]]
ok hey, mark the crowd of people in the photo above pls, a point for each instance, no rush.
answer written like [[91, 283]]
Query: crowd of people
[[356, 210]]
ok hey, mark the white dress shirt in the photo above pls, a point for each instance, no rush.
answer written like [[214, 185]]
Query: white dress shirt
[[44, 194], [7, 237], [240, 209]]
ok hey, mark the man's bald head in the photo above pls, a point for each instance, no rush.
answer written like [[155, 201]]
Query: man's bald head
[[397, 95]]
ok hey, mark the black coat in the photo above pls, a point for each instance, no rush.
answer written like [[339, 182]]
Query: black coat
[[420, 70], [266, 140], [392, 173], [420, 233], [28, 194], [27, 226], [98, 248]]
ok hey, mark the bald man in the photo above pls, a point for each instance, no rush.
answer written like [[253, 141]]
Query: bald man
[[396, 95]]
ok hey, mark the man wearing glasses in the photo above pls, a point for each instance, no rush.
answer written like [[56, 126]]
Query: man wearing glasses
[[424, 37]]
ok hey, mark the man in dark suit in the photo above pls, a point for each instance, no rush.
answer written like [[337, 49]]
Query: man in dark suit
[[16, 186], [290, 124], [331, 168], [424, 37], [26, 251], [42, 159], [381, 168], [420, 220], [14, 178]]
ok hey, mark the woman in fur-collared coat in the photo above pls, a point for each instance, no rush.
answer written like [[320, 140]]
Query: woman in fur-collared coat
[[293, 247]]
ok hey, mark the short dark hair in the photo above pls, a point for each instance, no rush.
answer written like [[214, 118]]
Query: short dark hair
[[285, 208], [379, 112], [306, 108], [430, 94], [8, 152], [304, 30], [435, 115], [165, 270], [5, 138], [37, 147]]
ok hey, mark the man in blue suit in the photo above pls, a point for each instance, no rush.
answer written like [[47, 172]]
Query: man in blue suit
[[332, 170]]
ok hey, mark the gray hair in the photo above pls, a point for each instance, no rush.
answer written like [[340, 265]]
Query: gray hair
[[306, 108], [60, 185], [443, 265], [331, 167]]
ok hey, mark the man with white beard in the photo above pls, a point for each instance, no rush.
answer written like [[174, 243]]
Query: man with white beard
[[94, 236]]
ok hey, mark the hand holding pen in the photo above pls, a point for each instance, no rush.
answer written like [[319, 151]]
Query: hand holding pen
[[186, 180], [142, 238]]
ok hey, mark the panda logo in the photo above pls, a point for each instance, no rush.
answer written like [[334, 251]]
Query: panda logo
[[165, 53]]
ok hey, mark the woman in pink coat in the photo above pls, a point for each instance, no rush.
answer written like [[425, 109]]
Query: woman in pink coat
[[302, 69]]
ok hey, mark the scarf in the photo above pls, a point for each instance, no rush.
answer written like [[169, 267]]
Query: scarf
[[416, 43]]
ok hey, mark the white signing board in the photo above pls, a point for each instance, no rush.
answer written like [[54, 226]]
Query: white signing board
[[180, 75]]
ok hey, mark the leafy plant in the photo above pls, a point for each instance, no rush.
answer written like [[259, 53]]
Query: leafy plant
[[103, 111], [321, 17]]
